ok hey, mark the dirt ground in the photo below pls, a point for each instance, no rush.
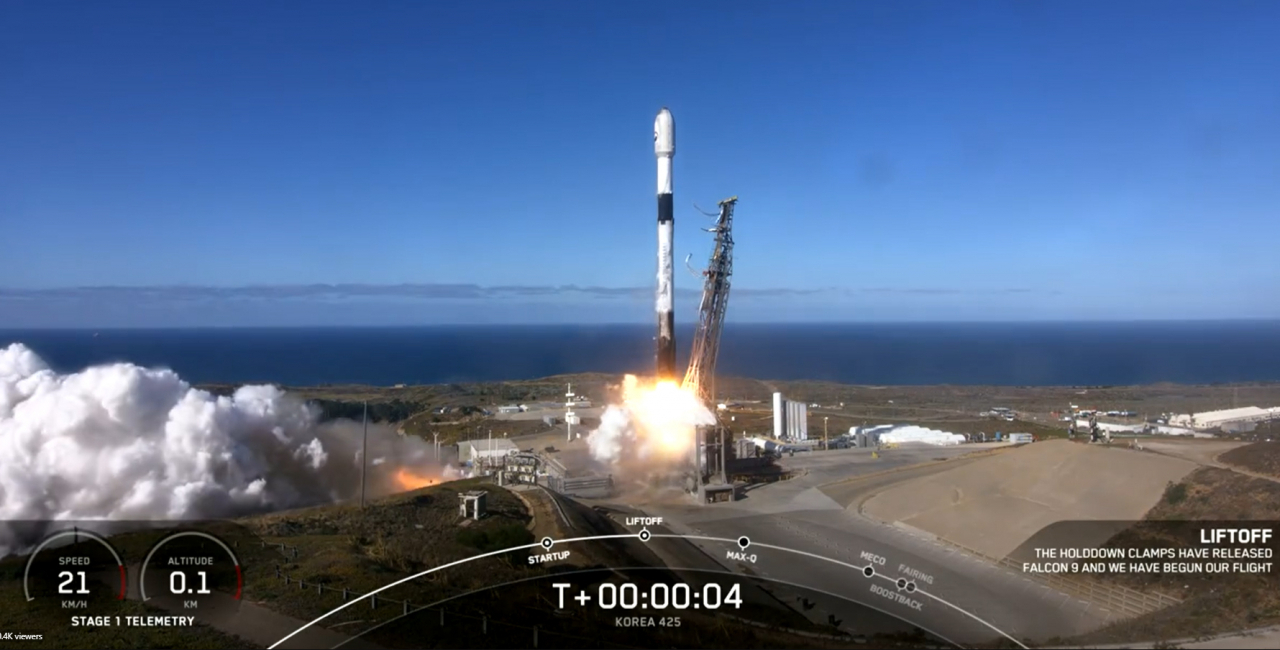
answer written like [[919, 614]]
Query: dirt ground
[[995, 504]]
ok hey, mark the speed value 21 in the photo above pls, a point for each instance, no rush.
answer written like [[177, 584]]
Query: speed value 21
[[630, 596]]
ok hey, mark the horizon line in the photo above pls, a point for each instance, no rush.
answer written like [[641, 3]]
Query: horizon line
[[1051, 321]]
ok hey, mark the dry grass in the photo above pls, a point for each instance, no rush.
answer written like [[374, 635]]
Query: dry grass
[[1260, 457], [1212, 603]]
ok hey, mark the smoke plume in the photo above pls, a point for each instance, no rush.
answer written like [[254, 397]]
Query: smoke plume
[[121, 442]]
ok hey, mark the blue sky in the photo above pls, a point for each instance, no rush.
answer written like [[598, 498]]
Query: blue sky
[[211, 163]]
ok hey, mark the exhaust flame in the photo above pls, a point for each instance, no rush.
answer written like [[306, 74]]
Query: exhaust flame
[[655, 423], [407, 479]]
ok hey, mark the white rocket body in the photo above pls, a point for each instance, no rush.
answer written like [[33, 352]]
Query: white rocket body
[[664, 148]]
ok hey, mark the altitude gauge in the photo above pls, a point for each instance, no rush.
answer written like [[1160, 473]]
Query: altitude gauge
[[74, 570], [192, 573]]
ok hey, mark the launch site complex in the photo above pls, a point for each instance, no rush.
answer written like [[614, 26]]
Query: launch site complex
[[334, 326], [848, 516], [954, 511], [895, 530]]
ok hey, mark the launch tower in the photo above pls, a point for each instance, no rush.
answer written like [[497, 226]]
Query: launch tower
[[711, 449]]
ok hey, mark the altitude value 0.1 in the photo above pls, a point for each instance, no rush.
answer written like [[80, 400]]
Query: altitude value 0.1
[[178, 583], [658, 596]]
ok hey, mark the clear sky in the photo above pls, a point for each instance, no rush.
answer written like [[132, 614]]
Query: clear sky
[[191, 163]]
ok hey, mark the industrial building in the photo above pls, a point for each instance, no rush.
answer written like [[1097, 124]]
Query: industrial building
[[790, 419], [473, 505], [520, 468], [482, 450], [867, 436], [1237, 419]]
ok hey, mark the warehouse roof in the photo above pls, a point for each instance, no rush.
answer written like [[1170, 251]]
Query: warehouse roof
[[1228, 415]]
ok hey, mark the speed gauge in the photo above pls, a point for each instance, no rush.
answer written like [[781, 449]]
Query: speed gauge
[[74, 570]]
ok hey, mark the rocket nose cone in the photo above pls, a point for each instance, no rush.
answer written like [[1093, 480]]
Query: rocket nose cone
[[664, 133]]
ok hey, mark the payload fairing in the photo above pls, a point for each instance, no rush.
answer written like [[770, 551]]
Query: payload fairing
[[664, 147]]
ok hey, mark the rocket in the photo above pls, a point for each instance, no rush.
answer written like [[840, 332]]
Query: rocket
[[664, 148]]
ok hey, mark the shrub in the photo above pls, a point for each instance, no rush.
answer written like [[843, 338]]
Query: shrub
[[495, 538]]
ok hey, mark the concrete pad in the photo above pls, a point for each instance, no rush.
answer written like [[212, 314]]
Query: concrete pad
[[994, 504]]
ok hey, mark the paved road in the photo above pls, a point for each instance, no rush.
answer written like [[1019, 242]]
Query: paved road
[[796, 514]]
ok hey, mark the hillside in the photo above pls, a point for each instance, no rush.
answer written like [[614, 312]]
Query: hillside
[[344, 547], [1212, 604], [1262, 457]]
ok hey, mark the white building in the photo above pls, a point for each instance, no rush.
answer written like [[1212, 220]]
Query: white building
[[482, 449], [790, 419], [913, 433], [1226, 418]]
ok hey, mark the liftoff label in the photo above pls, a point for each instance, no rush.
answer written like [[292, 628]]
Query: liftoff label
[[1244, 550]]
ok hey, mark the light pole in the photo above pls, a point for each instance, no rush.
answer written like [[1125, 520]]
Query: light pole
[[825, 444], [435, 444], [364, 453]]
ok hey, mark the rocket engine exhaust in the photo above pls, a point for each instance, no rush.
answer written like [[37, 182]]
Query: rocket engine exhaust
[[664, 148]]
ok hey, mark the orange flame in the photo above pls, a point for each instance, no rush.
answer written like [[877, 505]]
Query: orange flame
[[666, 413], [409, 480]]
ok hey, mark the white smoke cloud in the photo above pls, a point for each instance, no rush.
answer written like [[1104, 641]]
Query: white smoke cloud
[[615, 433], [122, 442]]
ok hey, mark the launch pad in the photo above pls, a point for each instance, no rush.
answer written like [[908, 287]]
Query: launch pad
[[713, 456]]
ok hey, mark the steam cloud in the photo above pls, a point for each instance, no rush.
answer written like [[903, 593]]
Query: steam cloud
[[615, 434], [122, 442]]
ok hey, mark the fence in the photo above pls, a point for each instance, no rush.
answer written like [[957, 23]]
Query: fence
[[590, 486], [1122, 599], [1125, 600]]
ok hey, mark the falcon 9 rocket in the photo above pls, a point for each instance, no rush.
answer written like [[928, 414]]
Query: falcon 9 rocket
[[664, 148]]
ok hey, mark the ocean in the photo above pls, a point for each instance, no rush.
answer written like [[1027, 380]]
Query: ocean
[[1024, 354]]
